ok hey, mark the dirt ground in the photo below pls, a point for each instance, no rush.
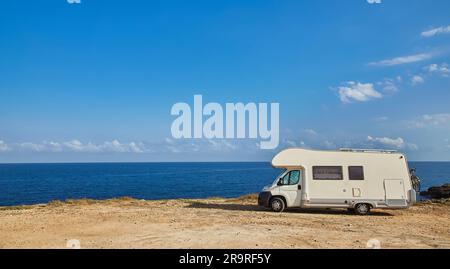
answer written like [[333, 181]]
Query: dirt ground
[[217, 223]]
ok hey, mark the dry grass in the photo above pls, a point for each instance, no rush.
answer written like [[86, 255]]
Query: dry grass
[[83, 201], [20, 207], [253, 197], [122, 199], [86, 201], [55, 203]]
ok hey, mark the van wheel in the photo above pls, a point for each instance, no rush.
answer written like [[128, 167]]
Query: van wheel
[[362, 209], [277, 204]]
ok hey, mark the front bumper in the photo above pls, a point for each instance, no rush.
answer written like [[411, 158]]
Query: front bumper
[[264, 199]]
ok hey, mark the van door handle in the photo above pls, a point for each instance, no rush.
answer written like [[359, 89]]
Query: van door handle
[[299, 187]]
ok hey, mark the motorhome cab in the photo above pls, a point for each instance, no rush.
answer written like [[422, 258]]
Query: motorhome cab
[[358, 180]]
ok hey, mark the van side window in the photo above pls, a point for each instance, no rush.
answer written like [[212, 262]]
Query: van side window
[[291, 178], [327, 173], [294, 178], [285, 179], [356, 173]]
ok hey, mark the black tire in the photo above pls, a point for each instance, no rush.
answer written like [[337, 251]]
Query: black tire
[[362, 209], [277, 204]]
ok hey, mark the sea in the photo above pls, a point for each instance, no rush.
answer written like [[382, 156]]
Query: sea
[[24, 184]]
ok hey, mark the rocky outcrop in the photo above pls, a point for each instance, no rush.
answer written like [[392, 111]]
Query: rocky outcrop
[[437, 192]]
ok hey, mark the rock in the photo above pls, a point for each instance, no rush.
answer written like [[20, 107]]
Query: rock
[[437, 192]]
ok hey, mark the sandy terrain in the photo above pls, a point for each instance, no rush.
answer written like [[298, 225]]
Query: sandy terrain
[[217, 223]]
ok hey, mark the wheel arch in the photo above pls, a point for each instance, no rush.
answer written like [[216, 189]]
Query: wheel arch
[[282, 197], [371, 204]]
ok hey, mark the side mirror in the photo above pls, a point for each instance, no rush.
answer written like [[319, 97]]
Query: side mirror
[[280, 182]]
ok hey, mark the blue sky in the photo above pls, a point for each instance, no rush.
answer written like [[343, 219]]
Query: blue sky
[[95, 81]]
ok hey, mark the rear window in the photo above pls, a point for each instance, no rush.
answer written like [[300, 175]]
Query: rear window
[[327, 173], [355, 173]]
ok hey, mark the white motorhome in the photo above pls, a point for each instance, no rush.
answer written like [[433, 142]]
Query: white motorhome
[[358, 180]]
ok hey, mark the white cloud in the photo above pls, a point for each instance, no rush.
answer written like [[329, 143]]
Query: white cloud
[[116, 146], [221, 145], [436, 31], [404, 60], [412, 146], [74, 1], [293, 144], [395, 143], [38, 147], [374, 1], [349, 141], [390, 85], [77, 146], [360, 92], [32, 147], [415, 80], [310, 132], [54, 146], [442, 69], [381, 118], [3, 146], [205, 145], [426, 120]]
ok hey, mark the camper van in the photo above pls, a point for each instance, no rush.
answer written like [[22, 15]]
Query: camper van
[[356, 179]]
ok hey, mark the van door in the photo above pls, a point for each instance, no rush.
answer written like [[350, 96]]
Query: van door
[[291, 187], [395, 192]]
